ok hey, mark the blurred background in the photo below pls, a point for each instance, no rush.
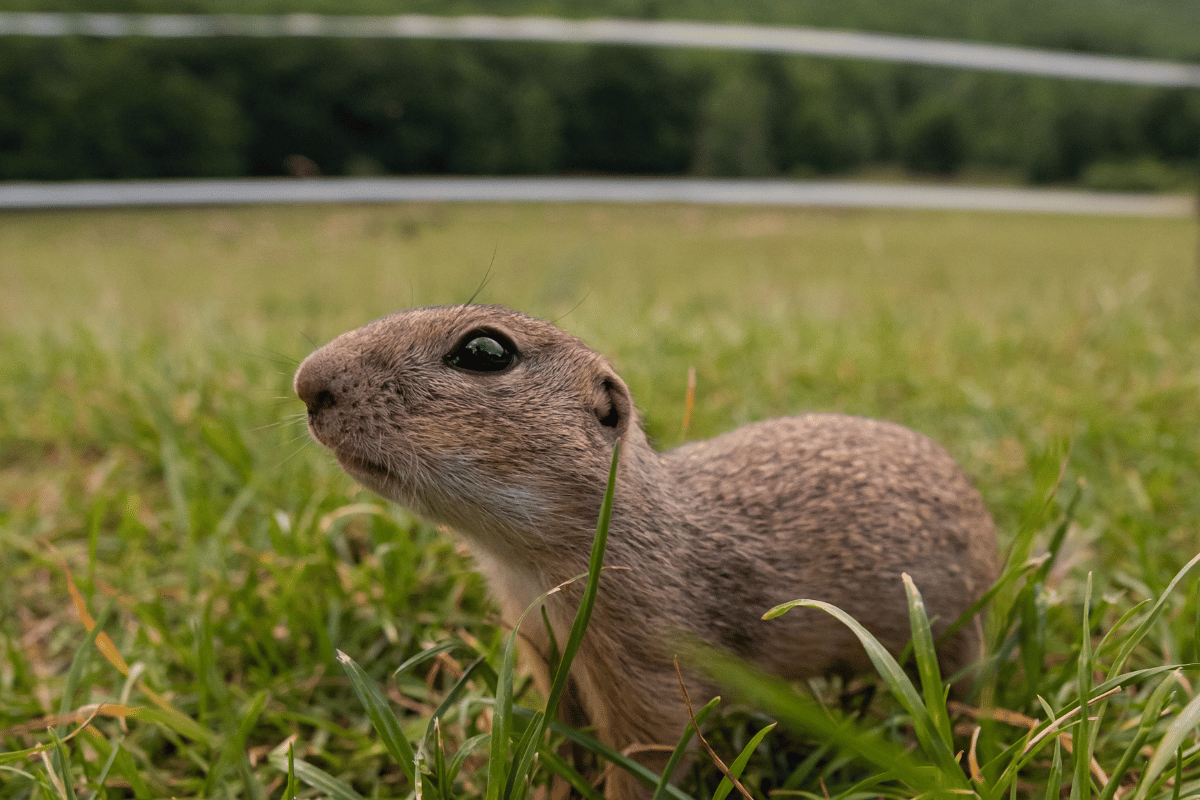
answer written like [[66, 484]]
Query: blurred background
[[78, 107]]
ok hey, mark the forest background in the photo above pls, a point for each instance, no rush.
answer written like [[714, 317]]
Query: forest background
[[81, 108]]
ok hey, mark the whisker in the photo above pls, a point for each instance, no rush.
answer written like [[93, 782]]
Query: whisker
[[274, 357], [284, 358], [573, 308], [295, 453], [279, 423], [486, 276]]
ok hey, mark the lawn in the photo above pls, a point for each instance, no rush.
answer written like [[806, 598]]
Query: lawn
[[157, 482]]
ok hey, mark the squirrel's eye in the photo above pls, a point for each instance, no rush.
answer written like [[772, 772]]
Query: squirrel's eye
[[483, 352]]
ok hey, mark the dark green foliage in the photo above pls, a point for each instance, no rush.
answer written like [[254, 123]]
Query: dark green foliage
[[933, 138], [136, 108], [1169, 122], [111, 110], [628, 111]]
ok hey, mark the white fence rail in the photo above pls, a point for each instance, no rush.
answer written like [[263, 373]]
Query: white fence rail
[[790, 40], [828, 194]]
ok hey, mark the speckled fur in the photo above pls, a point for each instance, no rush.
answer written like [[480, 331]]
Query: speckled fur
[[711, 534]]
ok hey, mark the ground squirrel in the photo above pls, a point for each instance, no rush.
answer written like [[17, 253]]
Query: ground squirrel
[[502, 427]]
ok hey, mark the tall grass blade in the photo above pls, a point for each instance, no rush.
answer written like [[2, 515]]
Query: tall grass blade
[[498, 760], [440, 778], [682, 745], [480, 666], [62, 768], [927, 664], [517, 778], [899, 684], [1054, 779], [1027, 753], [1081, 789], [289, 792], [1058, 537], [798, 712], [559, 766], [584, 613], [1009, 576], [1143, 628], [464, 752], [75, 672], [430, 653], [525, 753], [1113, 634], [1161, 695], [315, 777], [181, 724], [593, 745], [1168, 748], [383, 719], [124, 765], [738, 765]]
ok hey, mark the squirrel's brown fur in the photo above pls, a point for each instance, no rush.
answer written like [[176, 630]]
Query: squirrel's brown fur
[[711, 534]]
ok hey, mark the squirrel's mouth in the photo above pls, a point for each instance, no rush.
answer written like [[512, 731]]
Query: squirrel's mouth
[[351, 461], [361, 467]]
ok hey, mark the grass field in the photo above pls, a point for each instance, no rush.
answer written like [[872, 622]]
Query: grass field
[[153, 458]]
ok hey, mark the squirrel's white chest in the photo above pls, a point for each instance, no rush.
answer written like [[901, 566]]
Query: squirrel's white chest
[[516, 590]]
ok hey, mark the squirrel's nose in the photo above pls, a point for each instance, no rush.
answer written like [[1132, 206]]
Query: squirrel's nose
[[313, 383]]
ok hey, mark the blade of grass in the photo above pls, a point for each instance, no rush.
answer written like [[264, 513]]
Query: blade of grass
[[1143, 627], [525, 753], [289, 793], [479, 665], [464, 752], [1054, 779], [62, 768], [116, 757], [1037, 737], [1009, 576], [1058, 537], [779, 699], [1081, 788], [583, 615], [440, 777], [1168, 747], [518, 778], [739, 764], [249, 715], [1178, 787], [181, 724], [383, 719], [315, 777], [593, 745], [124, 765], [898, 682], [559, 766], [1161, 695], [75, 672], [499, 765], [927, 665], [431, 652], [800, 773], [681, 747], [1111, 637]]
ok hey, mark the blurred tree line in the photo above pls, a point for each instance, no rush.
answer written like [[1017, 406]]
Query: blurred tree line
[[137, 108]]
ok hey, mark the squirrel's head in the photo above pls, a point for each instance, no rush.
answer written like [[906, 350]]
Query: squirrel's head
[[468, 412]]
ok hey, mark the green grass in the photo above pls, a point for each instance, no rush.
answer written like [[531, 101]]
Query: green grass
[[150, 446]]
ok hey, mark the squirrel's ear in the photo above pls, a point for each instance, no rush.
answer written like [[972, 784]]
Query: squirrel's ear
[[612, 405]]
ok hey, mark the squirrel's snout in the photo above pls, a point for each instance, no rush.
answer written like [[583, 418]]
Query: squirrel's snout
[[313, 384]]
